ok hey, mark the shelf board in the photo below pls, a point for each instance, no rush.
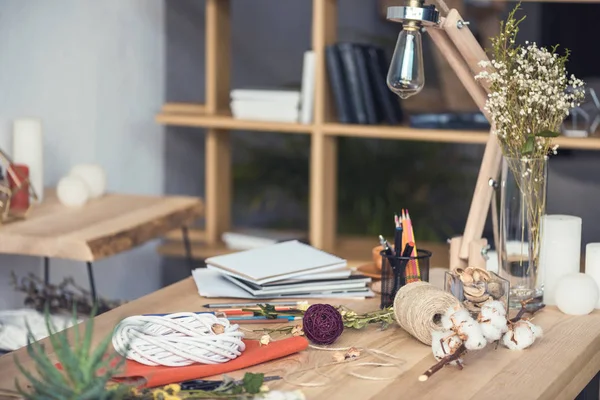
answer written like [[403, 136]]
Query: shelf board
[[228, 122], [355, 249], [406, 133], [188, 114]]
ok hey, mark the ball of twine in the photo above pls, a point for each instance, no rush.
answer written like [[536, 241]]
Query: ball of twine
[[322, 324], [418, 308]]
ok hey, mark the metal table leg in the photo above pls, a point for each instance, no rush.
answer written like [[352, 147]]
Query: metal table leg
[[188, 247], [92, 282], [47, 270]]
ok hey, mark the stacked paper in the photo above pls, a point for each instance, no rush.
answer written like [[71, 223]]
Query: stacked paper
[[289, 269]]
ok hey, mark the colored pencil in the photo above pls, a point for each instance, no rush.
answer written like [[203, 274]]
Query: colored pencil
[[279, 317], [259, 321], [226, 312], [413, 272], [231, 311], [244, 305]]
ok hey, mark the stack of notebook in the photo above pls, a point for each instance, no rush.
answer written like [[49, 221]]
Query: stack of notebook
[[289, 269]]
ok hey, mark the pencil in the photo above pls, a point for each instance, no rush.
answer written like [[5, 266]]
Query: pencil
[[232, 311], [237, 313], [244, 305], [259, 321], [413, 272], [260, 317]]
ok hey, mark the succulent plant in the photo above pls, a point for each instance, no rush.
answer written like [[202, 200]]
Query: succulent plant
[[82, 373]]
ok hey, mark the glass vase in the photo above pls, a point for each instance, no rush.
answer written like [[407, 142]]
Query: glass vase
[[522, 205]]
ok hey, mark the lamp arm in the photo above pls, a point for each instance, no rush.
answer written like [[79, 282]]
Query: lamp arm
[[457, 43]]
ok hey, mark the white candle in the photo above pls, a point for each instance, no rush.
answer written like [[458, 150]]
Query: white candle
[[592, 263], [28, 147], [560, 252]]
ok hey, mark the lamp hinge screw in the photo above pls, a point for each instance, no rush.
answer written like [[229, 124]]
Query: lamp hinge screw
[[492, 182], [484, 251], [461, 24]]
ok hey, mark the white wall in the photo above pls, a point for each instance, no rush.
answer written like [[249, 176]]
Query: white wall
[[93, 71]]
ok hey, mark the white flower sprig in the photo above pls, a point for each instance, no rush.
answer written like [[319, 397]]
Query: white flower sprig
[[530, 93]]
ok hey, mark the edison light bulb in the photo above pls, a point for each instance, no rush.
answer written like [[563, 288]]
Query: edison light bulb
[[406, 76]]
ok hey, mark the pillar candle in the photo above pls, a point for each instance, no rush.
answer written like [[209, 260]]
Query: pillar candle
[[560, 252], [28, 146], [20, 199], [592, 263]]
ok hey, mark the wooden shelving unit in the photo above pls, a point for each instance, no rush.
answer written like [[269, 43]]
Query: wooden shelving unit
[[215, 116]]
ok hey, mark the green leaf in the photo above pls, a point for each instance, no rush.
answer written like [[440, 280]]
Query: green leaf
[[547, 134], [67, 357], [529, 145], [46, 369], [40, 388], [253, 382], [96, 358], [84, 351]]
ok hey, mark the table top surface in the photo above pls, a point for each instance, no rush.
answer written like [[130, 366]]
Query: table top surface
[[557, 367], [102, 227]]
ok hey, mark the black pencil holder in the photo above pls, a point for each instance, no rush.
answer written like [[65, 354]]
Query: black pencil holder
[[397, 271]]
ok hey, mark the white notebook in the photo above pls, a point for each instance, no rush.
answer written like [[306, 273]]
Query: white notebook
[[212, 284], [304, 288], [276, 262]]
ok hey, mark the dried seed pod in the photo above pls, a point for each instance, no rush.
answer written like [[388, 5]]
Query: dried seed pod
[[495, 289], [217, 329], [352, 352], [478, 300], [481, 275], [466, 279], [474, 291], [472, 307]]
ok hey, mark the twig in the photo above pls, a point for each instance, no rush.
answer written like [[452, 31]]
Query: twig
[[524, 310], [444, 361]]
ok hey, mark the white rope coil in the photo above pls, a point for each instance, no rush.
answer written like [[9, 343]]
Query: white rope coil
[[178, 339]]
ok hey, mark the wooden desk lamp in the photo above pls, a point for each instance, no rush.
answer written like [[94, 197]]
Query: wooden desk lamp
[[456, 42]]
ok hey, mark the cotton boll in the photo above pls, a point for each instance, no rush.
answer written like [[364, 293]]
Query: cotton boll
[[490, 332], [497, 321], [492, 309], [444, 343], [453, 317], [520, 336], [445, 320], [538, 332], [475, 339]]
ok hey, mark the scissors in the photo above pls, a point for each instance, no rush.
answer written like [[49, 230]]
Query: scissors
[[201, 384]]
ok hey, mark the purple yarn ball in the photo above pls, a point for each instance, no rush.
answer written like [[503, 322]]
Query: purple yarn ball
[[322, 324]]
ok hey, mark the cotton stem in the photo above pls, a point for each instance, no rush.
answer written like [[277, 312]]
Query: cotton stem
[[444, 361]]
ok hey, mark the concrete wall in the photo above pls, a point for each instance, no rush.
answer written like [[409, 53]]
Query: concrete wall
[[94, 72]]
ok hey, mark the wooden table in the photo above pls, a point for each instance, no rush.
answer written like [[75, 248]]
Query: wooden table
[[557, 367], [101, 228]]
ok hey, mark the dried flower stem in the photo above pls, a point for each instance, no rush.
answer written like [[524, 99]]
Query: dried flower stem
[[530, 96]]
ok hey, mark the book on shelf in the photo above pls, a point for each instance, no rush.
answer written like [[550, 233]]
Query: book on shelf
[[307, 101], [277, 105], [287, 269], [357, 77], [284, 95], [264, 110]]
